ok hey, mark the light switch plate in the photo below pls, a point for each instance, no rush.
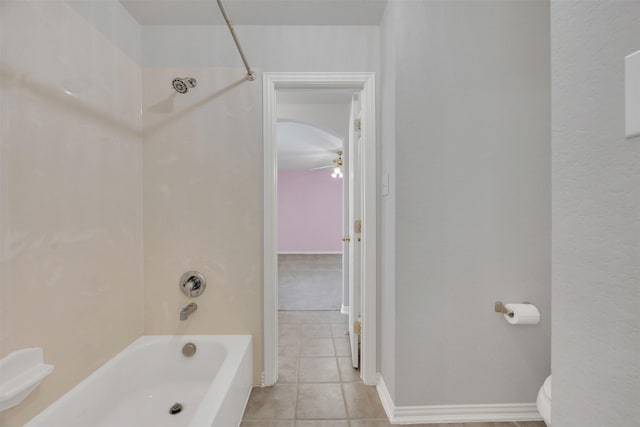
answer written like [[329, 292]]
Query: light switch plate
[[632, 94]]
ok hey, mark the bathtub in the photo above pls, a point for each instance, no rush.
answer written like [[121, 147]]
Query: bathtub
[[139, 385]]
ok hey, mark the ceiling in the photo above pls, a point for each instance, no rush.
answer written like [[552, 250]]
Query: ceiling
[[257, 12], [303, 147], [312, 126]]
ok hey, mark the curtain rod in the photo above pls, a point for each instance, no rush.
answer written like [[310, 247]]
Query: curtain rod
[[251, 76]]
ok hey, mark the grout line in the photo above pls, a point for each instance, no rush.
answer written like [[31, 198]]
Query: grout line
[[298, 361], [295, 407], [344, 399]]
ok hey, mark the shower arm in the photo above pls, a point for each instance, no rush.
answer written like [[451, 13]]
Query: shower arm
[[251, 76]]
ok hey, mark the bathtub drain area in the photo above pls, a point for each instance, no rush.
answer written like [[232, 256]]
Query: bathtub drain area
[[189, 349], [175, 409]]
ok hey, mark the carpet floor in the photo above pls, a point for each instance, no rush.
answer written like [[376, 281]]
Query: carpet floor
[[309, 282]]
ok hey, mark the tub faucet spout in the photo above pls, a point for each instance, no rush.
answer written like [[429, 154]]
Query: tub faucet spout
[[188, 310]]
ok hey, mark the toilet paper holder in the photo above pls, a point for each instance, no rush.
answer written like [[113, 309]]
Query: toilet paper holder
[[500, 308]]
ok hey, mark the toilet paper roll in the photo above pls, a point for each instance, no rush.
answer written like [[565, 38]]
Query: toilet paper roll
[[523, 314]]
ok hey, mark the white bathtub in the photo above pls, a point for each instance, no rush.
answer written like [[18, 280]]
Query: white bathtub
[[138, 386]]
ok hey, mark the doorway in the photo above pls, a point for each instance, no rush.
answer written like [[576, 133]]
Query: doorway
[[359, 290], [311, 130]]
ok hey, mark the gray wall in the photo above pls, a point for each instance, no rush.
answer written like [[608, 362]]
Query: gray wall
[[596, 217], [386, 275], [472, 131]]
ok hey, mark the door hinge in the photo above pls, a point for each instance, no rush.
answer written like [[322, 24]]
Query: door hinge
[[357, 125], [357, 327]]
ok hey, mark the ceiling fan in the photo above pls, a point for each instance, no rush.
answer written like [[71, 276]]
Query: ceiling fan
[[336, 165]]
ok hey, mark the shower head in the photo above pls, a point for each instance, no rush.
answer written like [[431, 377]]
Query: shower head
[[182, 85]]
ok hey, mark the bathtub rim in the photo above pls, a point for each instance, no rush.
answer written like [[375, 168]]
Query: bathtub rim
[[233, 359]]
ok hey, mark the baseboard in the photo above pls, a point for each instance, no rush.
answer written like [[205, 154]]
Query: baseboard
[[344, 309], [309, 252], [454, 413]]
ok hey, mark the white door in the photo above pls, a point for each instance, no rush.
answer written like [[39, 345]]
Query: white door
[[344, 309], [355, 208]]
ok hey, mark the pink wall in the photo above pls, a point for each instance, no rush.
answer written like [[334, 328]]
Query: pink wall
[[309, 211]]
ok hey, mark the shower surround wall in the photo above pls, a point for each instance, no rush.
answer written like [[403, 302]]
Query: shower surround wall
[[203, 164], [71, 193], [203, 202]]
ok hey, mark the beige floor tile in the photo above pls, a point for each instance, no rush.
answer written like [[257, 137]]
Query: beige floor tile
[[317, 347], [362, 401], [322, 423], [337, 317], [264, 423], [288, 349], [320, 330], [307, 316], [288, 369], [348, 374], [385, 423], [343, 346], [271, 403], [531, 424], [315, 316], [320, 402], [434, 425], [288, 338], [339, 330], [319, 370], [489, 425], [369, 423], [287, 329], [289, 317]]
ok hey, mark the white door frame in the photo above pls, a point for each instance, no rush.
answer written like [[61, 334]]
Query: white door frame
[[364, 82]]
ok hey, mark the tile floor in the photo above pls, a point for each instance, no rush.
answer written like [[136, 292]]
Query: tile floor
[[317, 387]]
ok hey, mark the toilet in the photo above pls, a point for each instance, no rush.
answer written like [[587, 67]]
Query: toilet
[[543, 402]]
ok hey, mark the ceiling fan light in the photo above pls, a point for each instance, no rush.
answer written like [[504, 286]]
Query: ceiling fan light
[[337, 172]]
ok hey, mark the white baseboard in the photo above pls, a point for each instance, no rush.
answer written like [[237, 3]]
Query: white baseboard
[[344, 309], [309, 252], [454, 413]]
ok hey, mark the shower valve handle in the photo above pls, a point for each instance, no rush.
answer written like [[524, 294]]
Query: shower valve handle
[[192, 284]]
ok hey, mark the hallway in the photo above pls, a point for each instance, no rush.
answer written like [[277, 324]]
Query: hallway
[[317, 387]]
